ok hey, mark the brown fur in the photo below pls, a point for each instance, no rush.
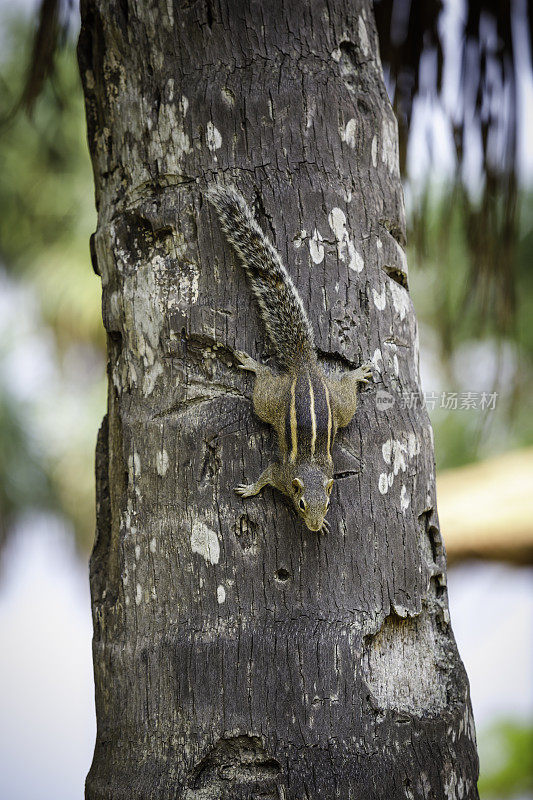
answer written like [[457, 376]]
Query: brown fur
[[303, 405]]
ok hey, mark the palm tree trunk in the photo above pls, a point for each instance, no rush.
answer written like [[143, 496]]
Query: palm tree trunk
[[237, 654]]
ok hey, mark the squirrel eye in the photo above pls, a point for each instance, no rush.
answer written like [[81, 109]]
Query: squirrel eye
[[302, 505]]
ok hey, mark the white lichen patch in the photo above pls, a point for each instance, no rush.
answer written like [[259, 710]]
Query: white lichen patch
[[363, 37], [389, 145], [401, 257], [221, 594], [299, 240], [172, 142], [380, 298], [204, 541], [161, 462], [150, 377], [183, 103], [400, 299], [401, 669], [227, 96], [138, 594], [143, 317], [153, 545], [396, 365], [396, 454], [374, 150], [134, 464], [213, 137], [186, 287], [345, 247], [348, 133], [137, 551], [316, 248], [383, 483], [376, 358], [413, 445]]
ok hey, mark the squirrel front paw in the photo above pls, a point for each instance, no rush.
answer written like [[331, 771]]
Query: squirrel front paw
[[245, 489], [364, 373], [246, 361]]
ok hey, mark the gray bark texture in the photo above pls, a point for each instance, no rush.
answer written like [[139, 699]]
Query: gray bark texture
[[236, 653]]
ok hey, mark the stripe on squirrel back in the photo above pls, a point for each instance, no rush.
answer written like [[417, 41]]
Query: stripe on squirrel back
[[281, 307]]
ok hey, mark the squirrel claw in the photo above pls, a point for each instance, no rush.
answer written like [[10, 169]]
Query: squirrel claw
[[245, 489], [246, 362], [326, 527], [363, 374]]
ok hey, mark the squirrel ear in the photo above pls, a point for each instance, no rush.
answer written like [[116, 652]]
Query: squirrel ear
[[297, 484], [329, 486]]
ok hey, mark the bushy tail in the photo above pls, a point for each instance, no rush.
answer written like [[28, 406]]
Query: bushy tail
[[280, 304]]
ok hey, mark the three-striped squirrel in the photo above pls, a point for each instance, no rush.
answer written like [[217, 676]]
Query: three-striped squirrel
[[304, 405]]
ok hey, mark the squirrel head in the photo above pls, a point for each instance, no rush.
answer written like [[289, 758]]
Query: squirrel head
[[311, 490]]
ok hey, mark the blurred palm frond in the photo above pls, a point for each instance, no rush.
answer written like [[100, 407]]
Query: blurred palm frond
[[491, 43]]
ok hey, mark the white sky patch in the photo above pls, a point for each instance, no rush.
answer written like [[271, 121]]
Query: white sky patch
[[161, 462], [205, 542], [316, 248], [348, 135], [213, 137], [221, 595], [345, 247]]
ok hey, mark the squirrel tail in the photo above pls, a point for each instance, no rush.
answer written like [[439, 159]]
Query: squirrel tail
[[281, 307]]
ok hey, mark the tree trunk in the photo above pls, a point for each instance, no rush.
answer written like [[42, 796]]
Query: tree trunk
[[236, 653]]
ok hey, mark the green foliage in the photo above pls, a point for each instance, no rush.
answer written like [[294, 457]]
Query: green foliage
[[506, 755], [46, 197], [46, 217], [24, 483], [458, 331]]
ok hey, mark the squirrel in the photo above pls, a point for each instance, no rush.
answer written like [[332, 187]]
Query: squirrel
[[304, 405]]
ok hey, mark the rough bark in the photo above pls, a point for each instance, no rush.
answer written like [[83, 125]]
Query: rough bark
[[237, 654]]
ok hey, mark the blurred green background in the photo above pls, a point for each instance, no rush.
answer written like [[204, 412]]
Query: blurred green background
[[53, 387]]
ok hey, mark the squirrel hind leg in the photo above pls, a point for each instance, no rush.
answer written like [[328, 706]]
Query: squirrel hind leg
[[343, 392]]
